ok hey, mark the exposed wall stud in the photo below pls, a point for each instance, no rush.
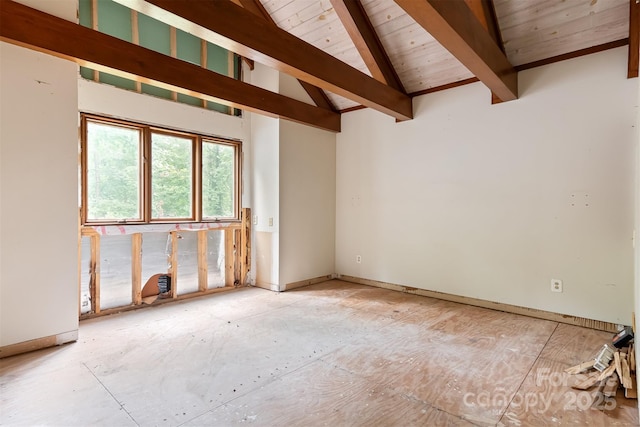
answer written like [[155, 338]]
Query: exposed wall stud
[[174, 54], [173, 264], [94, 271], [135, 38], [203, 62], [94, 25], [229, 256], [245, 245], [136, 268], [203, 281]]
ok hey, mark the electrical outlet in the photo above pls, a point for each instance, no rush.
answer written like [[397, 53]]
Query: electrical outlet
[[556, 285], [358, 259]]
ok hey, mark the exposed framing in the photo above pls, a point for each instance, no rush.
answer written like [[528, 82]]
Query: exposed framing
[[27, 27], [245, 245], [94, 26], [94, 272], [203, 62], [135, 39], [229, 249], [173, 41], [146, 159], [237, 230], [233, 27], [173, 264], [136, 268], [202, 261], [237, 264]]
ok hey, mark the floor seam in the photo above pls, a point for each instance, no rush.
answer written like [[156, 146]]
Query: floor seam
[[391, 391], [248, 392], [527, 374], [255, 360], [111, 394]]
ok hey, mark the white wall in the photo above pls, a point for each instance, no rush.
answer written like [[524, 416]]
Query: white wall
[[108, 100], [293, 185], [491, 201], [307, 202], [307, 196], [39, 191], [265, 162]]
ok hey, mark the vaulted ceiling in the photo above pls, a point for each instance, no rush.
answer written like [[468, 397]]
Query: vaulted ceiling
[[527, 31], [347, 53]]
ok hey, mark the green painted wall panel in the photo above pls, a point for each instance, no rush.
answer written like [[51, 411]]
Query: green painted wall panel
[[117, 81], [218, 107], [86, 73], [188, 47], [114, 19], [191, 100], [156, 91], [154, 35], [217, 59], [84, 13]]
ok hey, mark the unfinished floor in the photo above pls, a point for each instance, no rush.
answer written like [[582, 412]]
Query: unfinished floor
[[335, 353]]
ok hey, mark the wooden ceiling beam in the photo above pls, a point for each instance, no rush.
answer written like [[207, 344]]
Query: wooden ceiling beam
[[315, 93], [364, 37], [485, 11], [486, 14], [232, 27], [318, 96], [250, 63], [634, 39], [456, 28], [31, 28]]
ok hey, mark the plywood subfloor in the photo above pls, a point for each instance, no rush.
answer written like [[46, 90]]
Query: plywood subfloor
[[330, 354]]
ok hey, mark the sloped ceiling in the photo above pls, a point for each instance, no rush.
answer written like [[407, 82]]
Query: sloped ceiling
[[347, 53], [530, 30]]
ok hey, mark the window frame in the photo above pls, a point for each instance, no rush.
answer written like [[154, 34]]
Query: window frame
[[145, 162], [195, 190], [237, 193]]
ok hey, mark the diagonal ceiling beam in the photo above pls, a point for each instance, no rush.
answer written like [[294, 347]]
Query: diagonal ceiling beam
[[31, 28], [455, 27], [485, 11], [232, 27], [317, 95], [364, 37], [634, 39]]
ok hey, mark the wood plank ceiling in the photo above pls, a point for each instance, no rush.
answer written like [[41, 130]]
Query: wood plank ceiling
[[531, 30], [353, 53]]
